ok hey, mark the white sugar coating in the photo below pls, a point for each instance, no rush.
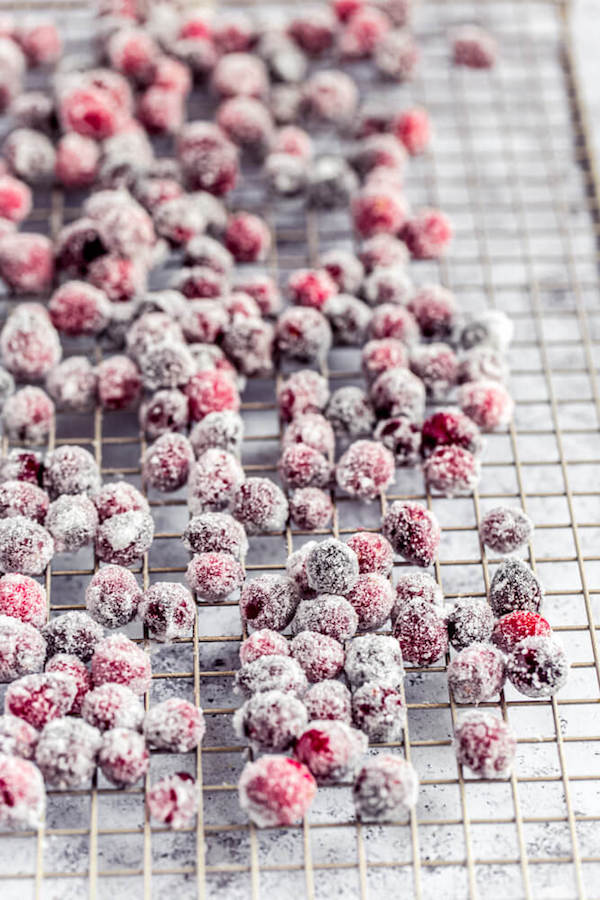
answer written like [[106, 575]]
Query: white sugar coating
[[311, 508], [175, 724], [41, 697], [117, 497], [72, 384], [365, 470], [116, 658], [168, 611], [269, 601], [70, 470], [113, 596], [168, 364], [223, 429], [452, 471], [17, 737], [173, 800], [203, 250], [515, 586], [373, 598], [469, 621], [505, 528], [345, 268], [260, 505], [385, 789], [321, 656], [312, 429], [349, 318], [374, 657], [331, 567], [275, 790], [22, 649], [331, 750], [28, 415], [388, 284], [268, 673], [270, 720], [413, 531], [379, 710], [72, 521], [73, 632], [25, 546], [476, 673], [397, 392], [166, 463], [150, 328], [295, 568], [113, 706], [416, 585], [66, 752], [124, 538], [215, 532], [485, 743], [328, 700], [482, 363], [350, 411], [304, 391], [23, 799], [164, 411], [329, 614], [491, 327], [538, 666], [123, 756], [213, 481]]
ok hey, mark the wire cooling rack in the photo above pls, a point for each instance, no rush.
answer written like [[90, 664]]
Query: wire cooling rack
[[512, 165]]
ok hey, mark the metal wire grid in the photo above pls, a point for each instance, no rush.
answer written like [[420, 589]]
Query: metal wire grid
[[512, 166]]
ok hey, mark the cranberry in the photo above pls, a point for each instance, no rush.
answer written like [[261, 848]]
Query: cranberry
[[23, 598], [213, 576], [117, 659], [29, 343], [77, 246], [121, 279], [166, 463], [331, 567], [378, 212], [391, 284], [22, 795], [112, 597], [382, 354], [293, 141], [180, 219], [537, 666], [270, 720], [248, 124], [211, 392], [331, 750], [17, 738], [304, 391], [247, 237], [25, 546], [427, 234], [295, 568], [124, 538], [313, 32], [30, 156], [310, 287], [485, 744], [365, 470], [269, 601], [505, 529], [123, 756], [450, 427], [39, 698], [469, 621], [73, 666], [372, 597], [350, 412], [208, 159], [234, 33], [21, 465], [240, 74], [349, 318], [482, 363], [303, 466], [118, 497], [412, 127], [397, 54], [161, 110], [328, 700], [173, 800], [373, 551], [344, 268], [73, 633], [165, 411], [515, 587], [15, 199], [515, 626], [77, 159], [330, 96], [264, 642], [385, 789], [276, 790], [248, 343], [72, 521], [331, 183], [437, 367], [491, 328], [476, 673], [268, 673], [416, 585], [362, 32], [421, 631], [452, 471], [71, 470], [487, 402], [26, 262], [392, 321], [320, 655], [263, 290], [260, 505], [379, 711], [383, 251], [311, 429], [311, 509], [375, 658], [21, 498], [119, 382], [175, 725], [72, 384], [329, 614], [214, 482], [215, 532], [90, 110], [112, 706], [474, 47], [22, 649]]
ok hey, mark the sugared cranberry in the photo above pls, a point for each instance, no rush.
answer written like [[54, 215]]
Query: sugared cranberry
[[247, 123], [90, 110], [29, 343], [345, 269], [214, 481], [304, 391], [331, 567], [29, 155], [276, 790], [382, 354], [310, 287], [263, 290], [17, 738], [112, 597], [72, 666], [175, 725], [23, 598], [487, 402], [490, 328], [331, 182], [167, 410], [168, 611], [349, 318], [72, 521], [77, 246], [118, 497], [469, 621], [388, 285], [295, 568], [77, 159], [420, 629], [416, 585], [365, 470], [427, 234], [379, 710], [476, 673], [482, 363], [25, 546], [21, 498], [310, 509], [437, 367], [214, 575], [320, 655], [121, 279], [383, 251], [71, 470], [166, 463], [450, 427], [270, 720], [515, 587], [117, 659], [41, 697], [331, 750], [397, 54], [113, 706], [264, 642], [124, 538], [22, 649], [15, 199], [328, 700], [269, 601], [161, 110], [302, 466], [173, 800], [119, 382], [214, 532], [313, 32], [374, 553], [77, 308], [268, 673], [385, 789], [72, 384], [73, 633], [330, 96], [234, 32], [376, 658], [362, 32], [40, 43], [412, 127], [392, 321], [26, 262], [378, 212], [452, 471], [505, 529], [372, 597], [22, 795], [123, 756], [240, 74], [514, 627], [248, 343], [208, 159], [247, 237], [474, 47], [260, 505], [28, 415], [413, 531], [211, 391], [21, 465], [537, 666], [402, 436], [329, 614], [485, 744]]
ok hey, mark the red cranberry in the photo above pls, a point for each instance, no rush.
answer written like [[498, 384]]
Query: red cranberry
[[72, 665], [30, 346], [374, 553], [264, 642], [167, 462], [90, 110], [452, 471], [73, 633], [392, 321], [240, 74], [485, 744], [71, 470], [263, 290], [379, 711], [311, 509], [402, 437], [25, 546], [413, 128], [22, 650], [450, 427], [474, 47], [469, 621], [435, 309], [344, 268], [537, 666], [365, 470], [77, 246], [269, 601], [437, 367], [41, 697], [488, 403], [161, 110], [77, 160], [276, 790], [385, 789], [413, 531], [268, 673], [175, 725], [214, 481], [214, 576], [28, 416], [119, 382], [312, 430], [310, 287], [349, 318], [382, 354], [416, 585], [112, 597], [72, 521], [234, 33], [211, 392], [319, 655], [119, 497], [247, 123], [66, 753], [21, 498], [295, 568], [476, 673], [260, 505], [173, 800], [214, 532], [397, 54], [427, 234], [124, 538], [303, 466], [363, 30], [23, 598], [331, 750], [113, 706], [482, 363], [29, 155], [505, 529], [270, 720], [420, 629], [515, 587], [313, 32], [72, 384], [22, 795], [329, 614], [372, 597], [40, 43], [77, 308], [328, 700], [378, 212], [383, 251], [302, 392], [15, 199], [17, 738], [26, 262], [117, 659], [208, 159], [247, 237], [123, 756], [21, 465], [515, 626], [303, 334], [121, 279]]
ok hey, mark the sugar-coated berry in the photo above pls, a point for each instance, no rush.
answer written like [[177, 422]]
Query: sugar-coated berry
[[390, 320], [112, 596], [372, 597], [474, 47], [76, 669], [303, 334], [490, 329], [123, 756], [173, 800], [166, 410], [452, 471], [402, 436], [21, 498], [29, 344], [388, 285], [276, 790], [416, 585], [328, 700], [214, 481], [344, 268], [179, 220], [476, 673], [397, 54], [313, 32], [515, 626], [362, 32], [505, 529], [72, 521], [112, 706], [72, 384], [118, 659], [29, 155], [168, 611], [435, 310], [260, 505], [25, 546], [124, 538], [385, 789], [40, 42], [450, 427], [77, 159], [375, 211], [365, 470], [381, 354], [17, 737], [515, 587], [331, 567], [211, 391], [22, 649], [240, 74], [118, 497], [214, 532], [349, 318], [538, 666], [175, 725], [413, 531], [482, 363], [77, 308], [379, 151], [269, 601], [247, 123], [311, 509], [23, 598], [303, 466], [247, 237], [383, 250], [15, 199], [487, 402], [121, 279], [248, 343], [71, 470], [302, 392], [21, 465], [22, 795], [312, 430], [208, 159], [469, 621], [331, 182], [379, 710], [436, 365], [288, 64], [73, 632], [77, 245], [270, 720], [214, 575], [329, 614], [330, 96], [41, 697], [119, 382], [295, 568], [320, 656], [485, 743], [331, 750], [166, 463], [420, 628], [412, 128], [264, 642], [374, 553], [273, 672], [311, 287], [374, 657], [263, 289]]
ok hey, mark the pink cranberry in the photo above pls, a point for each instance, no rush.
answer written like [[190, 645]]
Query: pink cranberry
[[385, 789], [77, 159], [417, 585], [269, 601], [372, 597], [310, 287], [374, 553], [276, 790], [328, 700], [413, 129], [234, 33], [167, 462], [71, 470], [450, 428], [378, 212], [240, 74], [330, 97], [260, 505], [26, 262], [22, 794], [427, 234], [303, 466], [123, 756], [402, 436], [133, 52], [40, 43], [167, 410], [118, 497], [437, 367], [152, 192], [247, 237], [211, 392], [476, 673], [474, 47], [72, 665], [319, 655], [452, 471], [173, 800], [90, 111], [30, 346], [214, 532], [362, 32], [22, 650], [264, 642], [392, 321], [312, 430], [72, 521], [515, 626], [383, 251], [17, 738], [303, 334], [435, 310], [263, 290], [268, 673], [248, 123], [270, 720], [15, 199], [313, 32], [179, 219], [302, 392], [537, 666], [66, 753], [413, 531], [344, 268], [381, 354], [77, 308], [344, 10], [365, 470], [121, 279], [73, 633], [329, 614], [214, 576], [515, 587], [311, 509], [331, 750], [487, 402], [379, 711], [397, 54], [420, 629], [375, 658], [119, 382], [160, 110], [72, 384], [25, 546], [168, 611], [29, 155], [113, 706], [117, 659], [124, 538], [208, 159], [41, 697], [214, 481], [21, 498], [293, 141], [112, 596], [23, 598], [485, 744]]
